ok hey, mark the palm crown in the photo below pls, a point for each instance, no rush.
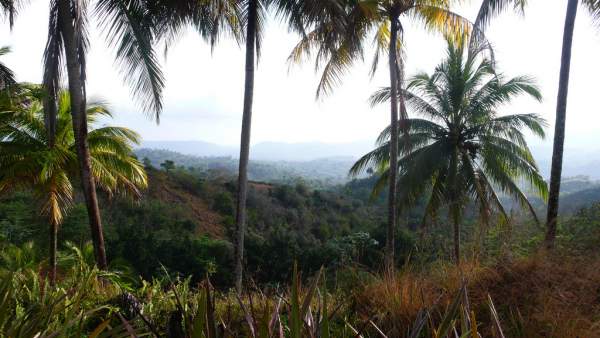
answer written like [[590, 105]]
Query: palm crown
[[344, 33], [27, 161], [463, 148]]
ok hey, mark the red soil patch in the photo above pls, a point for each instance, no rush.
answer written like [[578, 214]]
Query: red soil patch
[[209, 222], [260, 186]]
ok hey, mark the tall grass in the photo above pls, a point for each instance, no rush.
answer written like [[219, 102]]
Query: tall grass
[[93, 303], [538, 296]]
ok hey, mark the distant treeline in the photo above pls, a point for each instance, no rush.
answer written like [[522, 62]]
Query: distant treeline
[[322, 172]]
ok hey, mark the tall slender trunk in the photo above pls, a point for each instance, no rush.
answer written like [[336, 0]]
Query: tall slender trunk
[[455, 207], [392, 207], [559, 129], [50, 112], [53, 248], [456, 228], [78, 112], [245, 143]]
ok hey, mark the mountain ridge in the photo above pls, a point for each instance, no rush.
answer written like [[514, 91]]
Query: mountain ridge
[[267, 151], [576, 161]]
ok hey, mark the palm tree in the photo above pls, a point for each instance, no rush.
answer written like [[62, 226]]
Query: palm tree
[[340, 40], [27, 161], [130, 30], [494, 7], [244, 20], [254, 15], [463, 149], [298, 14], [561, 114]]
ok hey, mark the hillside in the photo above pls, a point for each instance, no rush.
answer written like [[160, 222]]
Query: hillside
[[266, 151], [175, 192], [183, 225], [572, 202], [185, 221], [320, 172]]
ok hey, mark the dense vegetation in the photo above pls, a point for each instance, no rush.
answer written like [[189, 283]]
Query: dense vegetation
[[153, 247], [182, 227], [184, 223]]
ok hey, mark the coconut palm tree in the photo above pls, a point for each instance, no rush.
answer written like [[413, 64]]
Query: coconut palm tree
[[28, 161], [340, 40], [561, 113], [298, 14], [130, 29], [494, 7], [462, 149], [254, 13], [244, 20]]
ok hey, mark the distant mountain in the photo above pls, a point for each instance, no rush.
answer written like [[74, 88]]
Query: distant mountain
[[275, 151], [267, 151], [572, 202], [577, 160], [320, 172], [196, 148]]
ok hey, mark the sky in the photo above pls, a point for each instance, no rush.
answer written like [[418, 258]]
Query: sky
[[204, 90]]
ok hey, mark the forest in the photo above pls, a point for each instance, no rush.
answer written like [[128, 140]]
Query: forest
[[446, 228]]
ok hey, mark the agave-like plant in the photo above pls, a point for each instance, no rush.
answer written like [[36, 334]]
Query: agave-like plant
[[32, 308], [463, 149], [27, 161], [94, 303]]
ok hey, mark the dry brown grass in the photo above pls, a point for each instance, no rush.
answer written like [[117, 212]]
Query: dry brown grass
[[538, 296], [208, 221], [557, 296]]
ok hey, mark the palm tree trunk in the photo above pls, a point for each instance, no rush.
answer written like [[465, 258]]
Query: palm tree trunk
[[53, 250], [455, 208], [392, 208], [456, 226], [50, 118], [78, 106], [245, 143], [559, 129]]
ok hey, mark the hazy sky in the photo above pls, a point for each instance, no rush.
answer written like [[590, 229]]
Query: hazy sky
[[203, 98]]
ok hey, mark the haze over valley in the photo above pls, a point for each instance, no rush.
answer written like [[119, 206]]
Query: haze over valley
[[578, 160]]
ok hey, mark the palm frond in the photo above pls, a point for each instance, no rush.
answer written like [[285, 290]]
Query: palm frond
[[440, 19], [128, 29], [28, 162], [416, 128], [10, 9], [593, 6], [495, 172], [492, 8], [381, 42], [53, 63], [7, 76]]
